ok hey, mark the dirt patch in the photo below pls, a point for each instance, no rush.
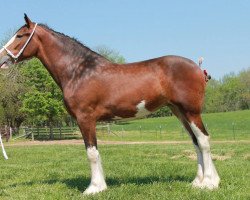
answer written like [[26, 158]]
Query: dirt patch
[[176, 157], [221, 158], [246, 156], [80, 142], [190, 154]]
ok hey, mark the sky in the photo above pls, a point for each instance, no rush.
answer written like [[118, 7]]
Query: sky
[[218, 30]]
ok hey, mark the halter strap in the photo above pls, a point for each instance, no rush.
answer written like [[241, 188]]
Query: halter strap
[[15, 57]]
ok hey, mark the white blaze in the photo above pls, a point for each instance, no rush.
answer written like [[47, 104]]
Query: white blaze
[[9, 43]]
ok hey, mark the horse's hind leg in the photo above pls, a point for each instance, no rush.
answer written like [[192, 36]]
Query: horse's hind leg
[[199, 177], [210, 178], [207, 176]]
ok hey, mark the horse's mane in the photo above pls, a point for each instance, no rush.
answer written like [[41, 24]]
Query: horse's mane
[[72, 44]]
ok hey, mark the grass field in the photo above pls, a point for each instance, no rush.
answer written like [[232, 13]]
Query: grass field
[[142, 171], [132, 171], [221, 126]]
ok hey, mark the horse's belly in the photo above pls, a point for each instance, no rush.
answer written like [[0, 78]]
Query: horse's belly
[[141, 111]]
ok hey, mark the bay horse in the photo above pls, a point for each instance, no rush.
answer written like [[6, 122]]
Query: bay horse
[[95, 89]]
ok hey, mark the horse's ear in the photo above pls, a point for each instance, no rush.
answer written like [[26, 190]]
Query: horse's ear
[[27, 20]]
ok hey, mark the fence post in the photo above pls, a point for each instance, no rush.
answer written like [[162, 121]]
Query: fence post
[[140, 131], [122, 131], [26, 130], [233, 130], [37, 130], [108, 128], [160, 131], [60, 131], [32, 136], [11, 132], [51, 132]]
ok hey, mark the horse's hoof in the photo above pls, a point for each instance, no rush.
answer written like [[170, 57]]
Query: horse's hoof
[[93, 189], [196, 182], [206, 184]]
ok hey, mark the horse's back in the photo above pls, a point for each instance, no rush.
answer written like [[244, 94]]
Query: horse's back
[[182, 80], [164, 80]]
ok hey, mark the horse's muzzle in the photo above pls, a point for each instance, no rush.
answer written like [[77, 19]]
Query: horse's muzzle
[[5, 61]]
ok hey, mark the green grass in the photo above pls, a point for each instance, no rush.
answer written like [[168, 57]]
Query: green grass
[[132, 172], [221, 126]]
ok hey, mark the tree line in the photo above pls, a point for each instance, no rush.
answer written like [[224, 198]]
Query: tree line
[[30, 96]]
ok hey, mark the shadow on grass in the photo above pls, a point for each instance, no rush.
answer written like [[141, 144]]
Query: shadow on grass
[[81, 183]]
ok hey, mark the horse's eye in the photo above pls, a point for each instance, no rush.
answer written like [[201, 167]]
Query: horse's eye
[[19, 36]]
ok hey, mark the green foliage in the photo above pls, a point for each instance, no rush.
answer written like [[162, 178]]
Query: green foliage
[[162, 112], [244, 78], [110, 54], [231, 93], [11, 88], [43, 102]]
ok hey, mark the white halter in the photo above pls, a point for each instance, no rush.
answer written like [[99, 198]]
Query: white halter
[[15, 57]]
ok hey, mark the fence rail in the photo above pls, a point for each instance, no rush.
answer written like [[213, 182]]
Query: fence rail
[[143, 130], [51, 133]]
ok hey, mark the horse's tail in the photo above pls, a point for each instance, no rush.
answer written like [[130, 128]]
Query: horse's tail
[[200, 60], [207, 76]]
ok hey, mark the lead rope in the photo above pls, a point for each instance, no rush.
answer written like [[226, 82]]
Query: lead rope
[[3, 150]]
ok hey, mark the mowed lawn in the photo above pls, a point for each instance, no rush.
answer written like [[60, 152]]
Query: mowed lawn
[[221, 126], [143, 171]]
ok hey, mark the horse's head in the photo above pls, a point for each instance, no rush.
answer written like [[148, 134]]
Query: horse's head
[[23, 45]]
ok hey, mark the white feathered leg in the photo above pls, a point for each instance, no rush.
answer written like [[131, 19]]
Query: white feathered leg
[[199, 176], [98, 183], [210, 176]]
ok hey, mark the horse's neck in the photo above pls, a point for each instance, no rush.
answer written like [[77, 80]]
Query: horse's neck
[[65, 65]]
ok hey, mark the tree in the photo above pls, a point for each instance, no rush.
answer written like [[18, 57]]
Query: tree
[[213, 98], [162, 112], [231, 93], [110, 54], [11, 89], [43, 102], [244, 78]]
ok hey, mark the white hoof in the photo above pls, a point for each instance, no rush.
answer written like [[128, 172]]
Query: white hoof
[[206, 183], [93, 189], [197, 182]]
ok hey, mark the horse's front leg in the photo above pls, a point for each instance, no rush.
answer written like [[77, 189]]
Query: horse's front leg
[[88, 130]]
